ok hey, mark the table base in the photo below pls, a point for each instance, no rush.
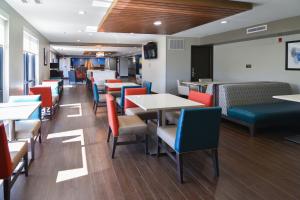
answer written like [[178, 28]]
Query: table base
[[294, 138]]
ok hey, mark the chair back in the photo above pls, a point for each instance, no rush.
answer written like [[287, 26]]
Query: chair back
[[28, 98], [6, 166], [133, 91], [198, 129], [112, 115], [123, 94], [72, 77], [96, 93], [113, 81], [45, 93], [148, 85], [204, 98]]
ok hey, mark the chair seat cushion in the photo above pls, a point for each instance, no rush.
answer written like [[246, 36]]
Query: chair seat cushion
[[27, 128], [144, 115], [131, 125], [281, 113], [168, 135], [17, 151], [173, 117]]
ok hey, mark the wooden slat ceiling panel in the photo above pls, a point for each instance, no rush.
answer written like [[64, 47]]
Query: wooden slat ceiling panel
[[137, 16]]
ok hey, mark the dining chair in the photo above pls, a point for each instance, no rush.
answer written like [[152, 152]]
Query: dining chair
[[121, 100], [31, 129], [203, 98], [12, 155], [148, 85], [48, 101], [132, 109], [182, 89], [198, 129], [124, 126], [113, 81], [99, 99]]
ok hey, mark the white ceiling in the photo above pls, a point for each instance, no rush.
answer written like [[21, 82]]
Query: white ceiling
[[59, 21], [78, 50]]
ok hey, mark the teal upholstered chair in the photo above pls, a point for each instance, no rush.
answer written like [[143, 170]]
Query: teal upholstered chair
[[198, 129], [99, 99], [148, 85], [29, 130], [121, 100]]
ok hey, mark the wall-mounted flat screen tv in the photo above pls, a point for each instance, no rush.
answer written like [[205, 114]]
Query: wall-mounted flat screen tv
[[150, 50]]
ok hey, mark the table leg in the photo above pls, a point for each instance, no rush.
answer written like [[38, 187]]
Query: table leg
[[11, 132]]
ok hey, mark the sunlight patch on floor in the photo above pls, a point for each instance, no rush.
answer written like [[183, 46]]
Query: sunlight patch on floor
[[74, 106], [70, 174]]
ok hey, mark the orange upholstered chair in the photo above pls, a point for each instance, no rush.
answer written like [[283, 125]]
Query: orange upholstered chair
[[133, 91], [123, 125], [206, 99], [11, 154], [113, 89], [48, 101]]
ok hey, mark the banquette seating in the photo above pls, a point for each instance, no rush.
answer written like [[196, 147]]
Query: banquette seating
[[253, 105]]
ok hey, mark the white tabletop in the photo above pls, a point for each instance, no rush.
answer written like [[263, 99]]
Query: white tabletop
[[155, 102], [17, 111], [120, 85], [294, 97]]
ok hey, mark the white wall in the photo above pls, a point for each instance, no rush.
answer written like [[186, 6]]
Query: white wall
[[17, 24], [267, 57], [179, 63], [65, 65], [111, 63], [154, 70], [123, 67]]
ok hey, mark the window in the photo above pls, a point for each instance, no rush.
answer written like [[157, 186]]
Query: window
[[31, 51], [2, 42]]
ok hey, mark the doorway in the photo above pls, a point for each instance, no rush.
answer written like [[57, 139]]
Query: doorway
[[29, 71], [202, 62]]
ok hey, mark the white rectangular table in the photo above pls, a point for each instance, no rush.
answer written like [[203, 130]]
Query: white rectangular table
[[161, 103], [119, 85], [16, 111], [294, 98]]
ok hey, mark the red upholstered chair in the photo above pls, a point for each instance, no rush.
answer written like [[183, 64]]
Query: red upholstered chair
[[109, 90], [124, 126], [11, 154], [48, 101], [204, 98]]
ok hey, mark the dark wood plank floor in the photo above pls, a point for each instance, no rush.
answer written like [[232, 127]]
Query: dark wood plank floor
[[264, 167]]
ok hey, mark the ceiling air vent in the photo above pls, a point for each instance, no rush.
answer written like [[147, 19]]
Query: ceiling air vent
[[175, 44], [257, 29]]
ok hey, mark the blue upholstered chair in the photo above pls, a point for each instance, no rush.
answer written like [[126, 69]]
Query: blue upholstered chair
[[72, 76], [99, 99], [198, 129], [121, 100], [148, 85], [29, 130]]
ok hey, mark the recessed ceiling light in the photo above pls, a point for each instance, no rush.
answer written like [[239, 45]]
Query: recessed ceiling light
[[90, 34], [91, 29], [78, 40], [81, 12], [79, 31], [224, 22], [102, 3], [157, 23]]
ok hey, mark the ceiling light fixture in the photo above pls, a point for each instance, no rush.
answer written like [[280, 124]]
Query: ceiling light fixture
[[78, 40], [79, 31], [90, 34], [91, 29], [157, 23], [81, 12], [102, 3], [224, 22]]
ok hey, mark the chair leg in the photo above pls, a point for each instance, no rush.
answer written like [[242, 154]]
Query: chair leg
[[114, 147], [108, 134], [158, 146], [32, 145], [94, 105], [179, 164], [96, 109], [215, 158], [25, 159], [40, 135], [6, 188], [146, 144], [51, 112]]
